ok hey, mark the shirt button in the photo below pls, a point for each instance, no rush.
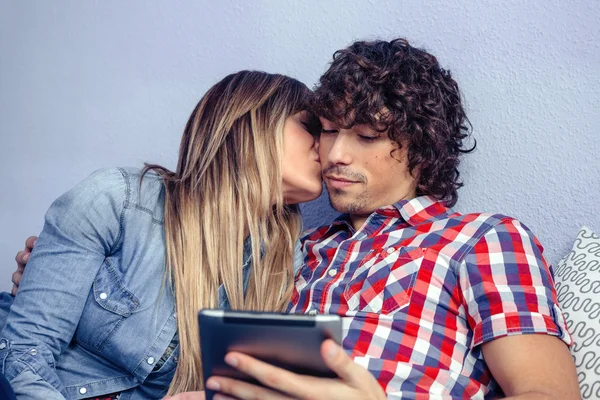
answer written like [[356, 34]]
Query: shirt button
[[33, 352], [312, 312], [82, 390], [103, 296], [150, 360], [332, 272], [390, 250]]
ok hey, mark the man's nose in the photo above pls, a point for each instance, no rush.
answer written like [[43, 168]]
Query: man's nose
[[340, 152]]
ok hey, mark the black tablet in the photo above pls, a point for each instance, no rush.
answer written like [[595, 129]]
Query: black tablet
[[290, 341]]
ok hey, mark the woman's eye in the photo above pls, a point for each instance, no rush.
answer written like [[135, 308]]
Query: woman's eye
[[311, 127], [328, 131]]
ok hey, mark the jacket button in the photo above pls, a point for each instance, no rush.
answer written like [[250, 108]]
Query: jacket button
[[103, 296], [150, 360], [82, 390], [33, 352], [2, 345]]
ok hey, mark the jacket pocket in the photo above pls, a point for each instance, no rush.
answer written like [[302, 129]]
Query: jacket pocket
[[108, 304], [384, 281]]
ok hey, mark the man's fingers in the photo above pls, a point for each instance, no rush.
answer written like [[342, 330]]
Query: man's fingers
[[22, 257], [30, 242], [266, 374], [16, 277], [352, 374], [241, 390], [336, 358], [295, 385]]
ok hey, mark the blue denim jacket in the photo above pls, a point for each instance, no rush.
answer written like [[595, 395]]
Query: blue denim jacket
[[93, 315]]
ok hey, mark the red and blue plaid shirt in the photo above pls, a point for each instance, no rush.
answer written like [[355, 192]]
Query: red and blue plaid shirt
[[420, 288]]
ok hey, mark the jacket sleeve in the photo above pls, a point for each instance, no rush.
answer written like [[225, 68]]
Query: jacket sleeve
[[81, 228]]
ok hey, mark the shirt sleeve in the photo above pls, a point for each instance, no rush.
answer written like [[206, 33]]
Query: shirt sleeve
[[507, 286], [81, 228]]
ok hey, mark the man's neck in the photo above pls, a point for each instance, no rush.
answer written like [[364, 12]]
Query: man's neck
[[358, 220]]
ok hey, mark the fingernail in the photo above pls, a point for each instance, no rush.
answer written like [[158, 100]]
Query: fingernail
[[34, 242], [26, 257], [231, 360], [332, 351], [213, 384]]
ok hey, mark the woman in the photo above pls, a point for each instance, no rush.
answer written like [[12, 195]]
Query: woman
[[128, 256]]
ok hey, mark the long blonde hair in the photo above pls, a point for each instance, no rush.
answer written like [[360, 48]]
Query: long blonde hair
[[228, 184]]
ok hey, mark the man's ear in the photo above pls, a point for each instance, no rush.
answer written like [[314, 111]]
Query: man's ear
[[399, 152]]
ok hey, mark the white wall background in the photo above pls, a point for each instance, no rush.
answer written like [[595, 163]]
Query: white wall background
[[88, 84]]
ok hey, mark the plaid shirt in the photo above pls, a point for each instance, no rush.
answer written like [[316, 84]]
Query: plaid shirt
[[420, 288]]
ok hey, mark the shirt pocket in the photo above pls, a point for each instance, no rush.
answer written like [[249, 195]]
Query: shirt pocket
[[108, 304], [302, 279], [384, 281]]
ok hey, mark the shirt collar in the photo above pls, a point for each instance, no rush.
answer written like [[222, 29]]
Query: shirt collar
[[418, 210], [414, 211]]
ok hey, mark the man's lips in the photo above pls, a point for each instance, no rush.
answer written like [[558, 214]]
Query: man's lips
[[339, 182]]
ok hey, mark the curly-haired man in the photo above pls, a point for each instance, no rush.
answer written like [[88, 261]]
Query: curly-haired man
[[435, 304]]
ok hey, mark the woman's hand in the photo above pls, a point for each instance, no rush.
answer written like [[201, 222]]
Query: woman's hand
[[187, 396]]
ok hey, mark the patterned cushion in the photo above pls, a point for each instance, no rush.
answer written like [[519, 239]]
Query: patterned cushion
[[578, 288]]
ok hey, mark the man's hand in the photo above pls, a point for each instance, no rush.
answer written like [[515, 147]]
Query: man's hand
[[354, 381], [21, 259]]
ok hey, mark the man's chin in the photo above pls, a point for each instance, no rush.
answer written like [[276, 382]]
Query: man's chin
[[343, 205]]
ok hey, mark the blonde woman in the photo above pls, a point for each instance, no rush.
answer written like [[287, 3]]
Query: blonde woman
[[108, 301]]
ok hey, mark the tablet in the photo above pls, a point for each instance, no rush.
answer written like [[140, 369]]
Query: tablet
[[290, 341]]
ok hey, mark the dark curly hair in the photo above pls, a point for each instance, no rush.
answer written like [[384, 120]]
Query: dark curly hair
[[397, 88]]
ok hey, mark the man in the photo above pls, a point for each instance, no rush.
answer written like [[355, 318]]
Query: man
[[435, 304]]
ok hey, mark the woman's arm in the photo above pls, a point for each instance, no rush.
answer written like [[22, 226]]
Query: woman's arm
[[81, 229]]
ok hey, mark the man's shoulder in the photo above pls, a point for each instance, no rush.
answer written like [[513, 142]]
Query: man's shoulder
[[456, 234], [475, 228], [481, 221]]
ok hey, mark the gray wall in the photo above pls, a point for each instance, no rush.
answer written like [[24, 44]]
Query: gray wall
[[88, 84]]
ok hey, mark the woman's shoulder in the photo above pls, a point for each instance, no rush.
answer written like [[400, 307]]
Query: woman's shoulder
[[103, 184], [131, 187], [146, 191]]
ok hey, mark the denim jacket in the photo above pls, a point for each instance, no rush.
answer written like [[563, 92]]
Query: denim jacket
[[93, 314]]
